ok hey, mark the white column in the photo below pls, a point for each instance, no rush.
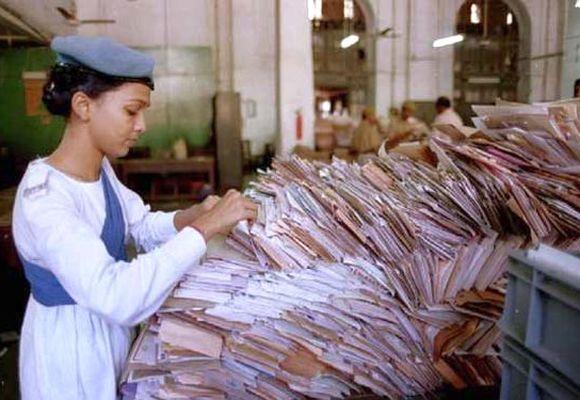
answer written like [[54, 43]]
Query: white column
[[385, 72], [446, 20], [423, 69], [254, 31], [571, 62], [224, 42], [295, 79]]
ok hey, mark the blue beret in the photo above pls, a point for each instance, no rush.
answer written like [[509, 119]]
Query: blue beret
[[103, 55]]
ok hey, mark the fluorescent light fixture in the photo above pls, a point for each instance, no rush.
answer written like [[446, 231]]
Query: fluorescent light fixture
[[349, 41], [577, 5], [447, 41]]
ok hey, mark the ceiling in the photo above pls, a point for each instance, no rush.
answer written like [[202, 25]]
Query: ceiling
[[33, 22]]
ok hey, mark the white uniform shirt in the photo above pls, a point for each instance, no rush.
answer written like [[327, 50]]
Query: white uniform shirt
[[77, 351], [449, 117]]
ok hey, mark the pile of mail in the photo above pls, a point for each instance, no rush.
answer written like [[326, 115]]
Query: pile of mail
[[383, 278]]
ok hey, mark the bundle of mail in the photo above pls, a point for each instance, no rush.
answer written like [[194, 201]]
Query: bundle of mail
[[383, 278]]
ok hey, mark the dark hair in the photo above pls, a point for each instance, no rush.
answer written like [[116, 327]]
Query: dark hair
[[443, 102], [577, 88], [64, 80]]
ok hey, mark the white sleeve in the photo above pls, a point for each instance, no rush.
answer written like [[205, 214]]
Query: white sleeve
[[148, 229], [125, 293]]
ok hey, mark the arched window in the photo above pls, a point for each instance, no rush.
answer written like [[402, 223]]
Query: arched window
[[486, 62], [340, 46]]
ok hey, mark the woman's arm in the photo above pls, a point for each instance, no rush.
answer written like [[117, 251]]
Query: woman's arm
[[123, 292], [149, 229]]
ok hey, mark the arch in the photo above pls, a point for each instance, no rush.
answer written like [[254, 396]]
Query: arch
[[525, 27], [361, 88], [371, 28], [368, 13], [522, 15]]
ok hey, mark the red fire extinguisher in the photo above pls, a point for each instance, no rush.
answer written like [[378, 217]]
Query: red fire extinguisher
[[299, 124]]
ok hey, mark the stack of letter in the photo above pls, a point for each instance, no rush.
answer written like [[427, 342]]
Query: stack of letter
[[385, 278]]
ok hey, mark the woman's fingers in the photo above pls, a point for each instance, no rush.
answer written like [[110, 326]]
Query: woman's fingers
[[250, 214], [232, 193], [210, 202], [227, 211], [250, 204]]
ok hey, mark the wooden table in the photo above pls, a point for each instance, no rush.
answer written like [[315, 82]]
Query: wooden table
[[165, 167]]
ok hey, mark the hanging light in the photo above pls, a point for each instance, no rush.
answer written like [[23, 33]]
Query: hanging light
[[577, 5], [475, 15], [314, 9], [349, 41], [509, 19], [348, 10], [447, 41]]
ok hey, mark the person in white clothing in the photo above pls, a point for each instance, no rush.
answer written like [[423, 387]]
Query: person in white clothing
[[446, 115], [72, 218]]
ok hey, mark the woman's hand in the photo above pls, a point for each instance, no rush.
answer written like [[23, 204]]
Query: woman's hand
[[225, 214], [207, 204], [185, 217]]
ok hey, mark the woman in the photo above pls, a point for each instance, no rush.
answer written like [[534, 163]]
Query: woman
[[72, 218]]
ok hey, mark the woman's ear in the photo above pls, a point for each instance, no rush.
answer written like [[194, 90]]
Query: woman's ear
[[81, 106]]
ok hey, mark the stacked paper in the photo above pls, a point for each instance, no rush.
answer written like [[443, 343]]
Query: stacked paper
[[385, 278]]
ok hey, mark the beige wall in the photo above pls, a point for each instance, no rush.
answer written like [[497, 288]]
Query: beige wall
[[571, 70], [408, 67], [269, 60]]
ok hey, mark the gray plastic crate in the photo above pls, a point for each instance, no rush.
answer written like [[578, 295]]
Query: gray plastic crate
[[525, 376], [542, 310]]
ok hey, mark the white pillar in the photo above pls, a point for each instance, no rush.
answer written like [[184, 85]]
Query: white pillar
[[224, 42], [571, 63], [295, 74]]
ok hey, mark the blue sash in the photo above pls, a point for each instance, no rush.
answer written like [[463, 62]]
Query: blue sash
[[44, 286]]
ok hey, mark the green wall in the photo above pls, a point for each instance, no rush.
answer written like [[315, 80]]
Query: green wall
[[26, 136], [181, 103]]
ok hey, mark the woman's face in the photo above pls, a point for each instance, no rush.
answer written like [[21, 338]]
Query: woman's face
[[117, 118]]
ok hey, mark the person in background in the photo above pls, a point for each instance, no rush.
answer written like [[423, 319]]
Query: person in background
[[446, 115], [419, 129], [384, 122], [367, 138], [407, 128], [72, 219], [337, 112], [340, 115], [342, 125], [577, 88]]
